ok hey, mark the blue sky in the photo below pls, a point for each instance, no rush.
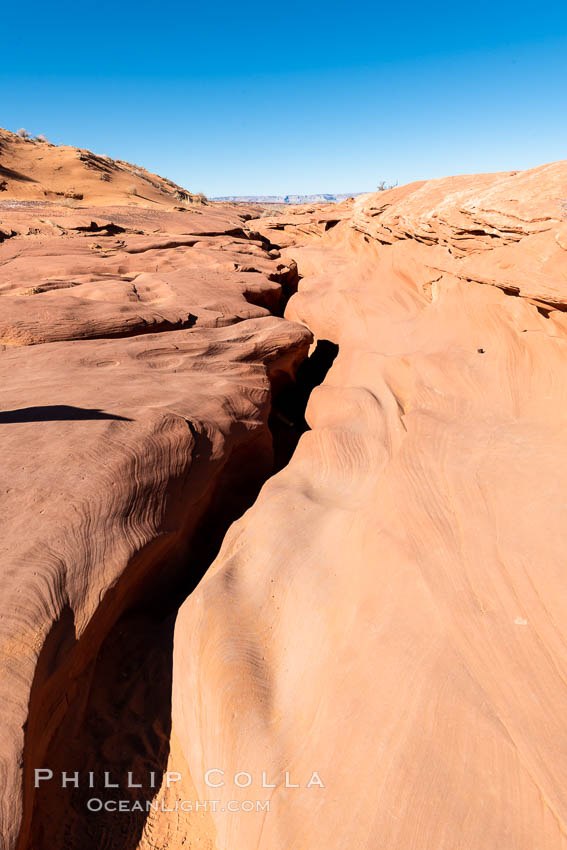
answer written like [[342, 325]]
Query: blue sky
[[294, 97]]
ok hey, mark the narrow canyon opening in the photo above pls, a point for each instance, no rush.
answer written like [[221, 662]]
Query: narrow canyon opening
[[378, 601], [118, 713], [287, 420]]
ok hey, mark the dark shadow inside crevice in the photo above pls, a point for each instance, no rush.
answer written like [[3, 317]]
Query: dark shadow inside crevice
[[116, 705], [117, 708], [287, 419], [117, 720], [112, 686]]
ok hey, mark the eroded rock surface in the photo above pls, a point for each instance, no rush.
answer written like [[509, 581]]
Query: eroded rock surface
[[122, 273], [391, 611], [36, 170], [137, 375], [383, 630]]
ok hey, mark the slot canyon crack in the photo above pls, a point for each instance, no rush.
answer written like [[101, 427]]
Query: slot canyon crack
[[102, 693], [316, 533]]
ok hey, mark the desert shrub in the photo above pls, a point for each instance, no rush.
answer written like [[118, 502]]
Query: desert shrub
[[201, 198], [132, 190], [383, 186], [23, 133], [40, 138]]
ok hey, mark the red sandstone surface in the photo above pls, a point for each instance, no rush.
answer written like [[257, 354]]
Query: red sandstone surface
[[387, 609], [34, 170]]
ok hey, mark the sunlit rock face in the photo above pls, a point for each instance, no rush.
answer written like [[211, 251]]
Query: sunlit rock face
[[139, 351], [282, 512], [391, 612], [34, 169]]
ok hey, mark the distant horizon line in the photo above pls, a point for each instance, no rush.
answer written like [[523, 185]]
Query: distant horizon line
[[292, 195]]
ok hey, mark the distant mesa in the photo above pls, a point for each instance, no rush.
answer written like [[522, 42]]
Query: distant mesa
[[325, 198]]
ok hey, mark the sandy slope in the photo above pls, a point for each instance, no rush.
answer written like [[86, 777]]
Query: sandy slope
[[34, 170]]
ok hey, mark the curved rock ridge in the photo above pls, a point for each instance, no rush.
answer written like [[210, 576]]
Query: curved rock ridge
[[467, 213], [34, 169], [302, 223], [122, 275], [509, 230], [391, 612], [138, 356], [116, 492]]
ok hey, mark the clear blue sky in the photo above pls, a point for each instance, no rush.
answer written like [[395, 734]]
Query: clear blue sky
[[311, 96]]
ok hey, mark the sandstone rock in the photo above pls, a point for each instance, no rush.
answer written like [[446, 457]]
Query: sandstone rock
[[34, 170], [379, 645], [390, 613], [64, 285], [116, 451], [113, 449]]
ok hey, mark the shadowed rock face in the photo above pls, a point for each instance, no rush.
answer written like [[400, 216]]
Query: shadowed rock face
[[391, 611], [137, 375], [386, 619]]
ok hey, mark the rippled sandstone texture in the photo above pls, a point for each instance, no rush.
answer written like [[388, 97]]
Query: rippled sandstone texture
[[389, 612], [392, 610], [139, 350]]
